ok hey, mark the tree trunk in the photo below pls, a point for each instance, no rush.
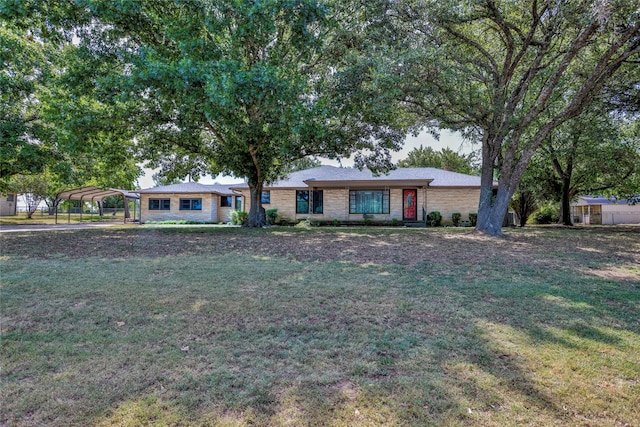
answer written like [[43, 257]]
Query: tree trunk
[[525, 206], [257, 217], [127, 214], [490, 213], [565, 206], [52, 206], [491, 216]]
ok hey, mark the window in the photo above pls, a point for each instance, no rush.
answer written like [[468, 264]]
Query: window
[[266, 197], [225, 201], [317, 202], [369, 201], [238, 203], [10, 198], [190, 204], [302, 202], [159, 204]]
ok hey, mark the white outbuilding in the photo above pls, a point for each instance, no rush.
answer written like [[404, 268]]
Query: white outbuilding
[[603, 210]]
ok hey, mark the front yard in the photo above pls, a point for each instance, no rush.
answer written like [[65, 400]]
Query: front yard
[[338, 327]]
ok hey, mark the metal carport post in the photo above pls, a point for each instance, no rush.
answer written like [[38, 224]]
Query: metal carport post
[[95, 193]]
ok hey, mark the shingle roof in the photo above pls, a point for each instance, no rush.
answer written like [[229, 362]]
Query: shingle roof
[[599, 200], [325, 174], [190, 187]]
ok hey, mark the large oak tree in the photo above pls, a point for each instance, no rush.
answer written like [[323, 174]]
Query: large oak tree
[[510, 72], [243, 87]]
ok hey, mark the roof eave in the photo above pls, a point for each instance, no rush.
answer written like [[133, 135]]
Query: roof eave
[[368, 183]]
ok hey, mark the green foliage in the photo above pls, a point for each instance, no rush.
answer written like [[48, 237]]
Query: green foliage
[[54, 120], [599, 151], [395, 222], [272, 216], [335, 223], [434, 219], [455, 218], [302, 164], [368, 222], [473, 218], [33, 188], [26, 63], [508, 73], [547, 214], [446, 159], [306, 223], [241, 88], [239, 217]]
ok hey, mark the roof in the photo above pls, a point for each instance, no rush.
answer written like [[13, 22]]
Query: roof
[[327, 176], [599, 200], [190, 187], [94, 193]]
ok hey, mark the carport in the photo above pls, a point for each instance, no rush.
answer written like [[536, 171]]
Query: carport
[[97, 194]]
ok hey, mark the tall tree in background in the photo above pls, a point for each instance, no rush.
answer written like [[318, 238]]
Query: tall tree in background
[[303, 164], [595, 153], [446, 159], [32, 188], [53, 119], [510, 73], [24, 147], [242, 87]]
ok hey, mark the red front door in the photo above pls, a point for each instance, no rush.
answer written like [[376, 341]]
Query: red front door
[[409, 203]]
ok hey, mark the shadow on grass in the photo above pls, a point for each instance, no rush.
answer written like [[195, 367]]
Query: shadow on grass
[[442, 358], [244, 340]]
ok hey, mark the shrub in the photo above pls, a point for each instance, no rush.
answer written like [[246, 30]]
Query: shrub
[[335, 223], [455, 218], [547, 214], [368, 221], [395, 222], [239, 217], [272, 216], [473, 219], [434, 219]]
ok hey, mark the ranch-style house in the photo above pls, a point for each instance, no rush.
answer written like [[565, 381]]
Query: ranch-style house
[[325, 193]]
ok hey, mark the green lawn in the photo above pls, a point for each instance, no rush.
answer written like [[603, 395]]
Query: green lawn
[[337, 327]]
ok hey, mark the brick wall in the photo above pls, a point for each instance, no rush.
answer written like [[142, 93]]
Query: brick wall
[[336, 204], [209, 213], [450, 200]]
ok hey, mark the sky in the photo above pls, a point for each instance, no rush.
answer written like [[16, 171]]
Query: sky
[[447, 139]]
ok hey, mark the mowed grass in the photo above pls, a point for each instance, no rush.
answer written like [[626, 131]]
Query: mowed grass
[[336, 327], [39, 218]]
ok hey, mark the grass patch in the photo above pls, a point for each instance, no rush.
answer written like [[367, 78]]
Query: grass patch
[[225, 326], [39, 218]]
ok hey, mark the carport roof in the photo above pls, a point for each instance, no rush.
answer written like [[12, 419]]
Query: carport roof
[[94, 193]]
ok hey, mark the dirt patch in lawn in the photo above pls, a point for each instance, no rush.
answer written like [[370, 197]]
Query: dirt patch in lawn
[[589, 248]]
